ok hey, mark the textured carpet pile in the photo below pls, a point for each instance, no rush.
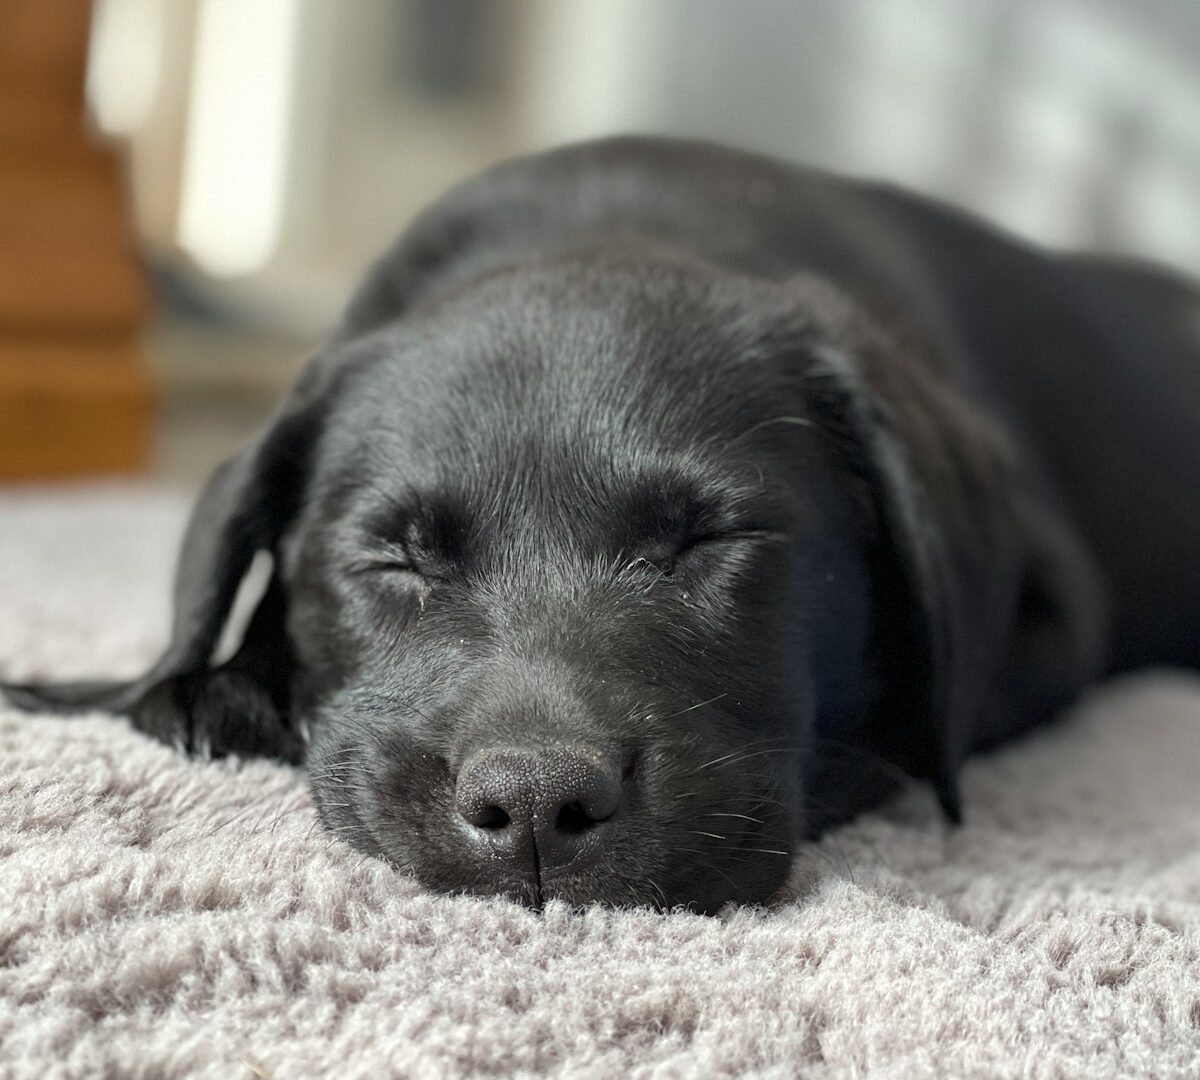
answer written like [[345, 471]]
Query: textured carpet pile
[[166, 918]]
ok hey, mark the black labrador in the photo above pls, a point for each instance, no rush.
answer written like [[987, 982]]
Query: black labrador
[[656, 505]]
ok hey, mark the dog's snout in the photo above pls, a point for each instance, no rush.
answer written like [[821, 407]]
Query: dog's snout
[[540, 808]]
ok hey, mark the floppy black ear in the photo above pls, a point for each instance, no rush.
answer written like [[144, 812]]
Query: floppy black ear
[[243, 705], [985, 607]]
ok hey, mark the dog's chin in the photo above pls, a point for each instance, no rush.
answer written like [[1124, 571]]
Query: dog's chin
[[703, 887], [747, 879]]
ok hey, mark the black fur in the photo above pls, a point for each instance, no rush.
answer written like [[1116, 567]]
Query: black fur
[[770, 484]]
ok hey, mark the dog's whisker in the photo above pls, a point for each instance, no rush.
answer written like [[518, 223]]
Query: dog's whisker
[[708, 864], [736, 757], [795, 421], [692, 708]]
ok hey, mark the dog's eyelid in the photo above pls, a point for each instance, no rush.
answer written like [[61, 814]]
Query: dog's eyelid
[[664, 557], [382, 565], [747, 532], [386, 556]]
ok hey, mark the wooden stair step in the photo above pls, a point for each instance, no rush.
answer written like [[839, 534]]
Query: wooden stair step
[[70, 408]]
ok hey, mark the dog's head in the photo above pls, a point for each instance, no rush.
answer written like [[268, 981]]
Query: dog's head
[[554, 579], [573, 569]]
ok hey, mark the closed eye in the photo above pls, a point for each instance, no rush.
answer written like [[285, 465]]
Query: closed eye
[[389, 558], [668, 559]]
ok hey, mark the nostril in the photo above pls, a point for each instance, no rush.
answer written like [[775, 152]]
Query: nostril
[[540, 808], [491, 817], [573, 819]]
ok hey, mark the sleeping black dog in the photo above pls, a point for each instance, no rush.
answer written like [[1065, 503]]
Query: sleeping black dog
[[656, 505]]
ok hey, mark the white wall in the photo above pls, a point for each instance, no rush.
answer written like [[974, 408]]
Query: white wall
[[1072, 122]]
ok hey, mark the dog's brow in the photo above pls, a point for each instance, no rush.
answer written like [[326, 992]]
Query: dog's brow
[[664, 505], [431, 521]]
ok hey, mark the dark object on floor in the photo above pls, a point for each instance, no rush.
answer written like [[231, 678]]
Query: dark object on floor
[[657, 504]]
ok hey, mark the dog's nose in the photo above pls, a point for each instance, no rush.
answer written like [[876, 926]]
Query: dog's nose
[[539, 808]]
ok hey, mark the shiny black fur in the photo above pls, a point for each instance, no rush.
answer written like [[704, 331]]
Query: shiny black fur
[[772, 484]]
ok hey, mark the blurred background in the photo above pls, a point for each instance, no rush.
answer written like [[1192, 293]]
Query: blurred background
[[190, 188]]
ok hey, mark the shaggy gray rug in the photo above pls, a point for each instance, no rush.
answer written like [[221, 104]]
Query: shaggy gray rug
[[167, 918]]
